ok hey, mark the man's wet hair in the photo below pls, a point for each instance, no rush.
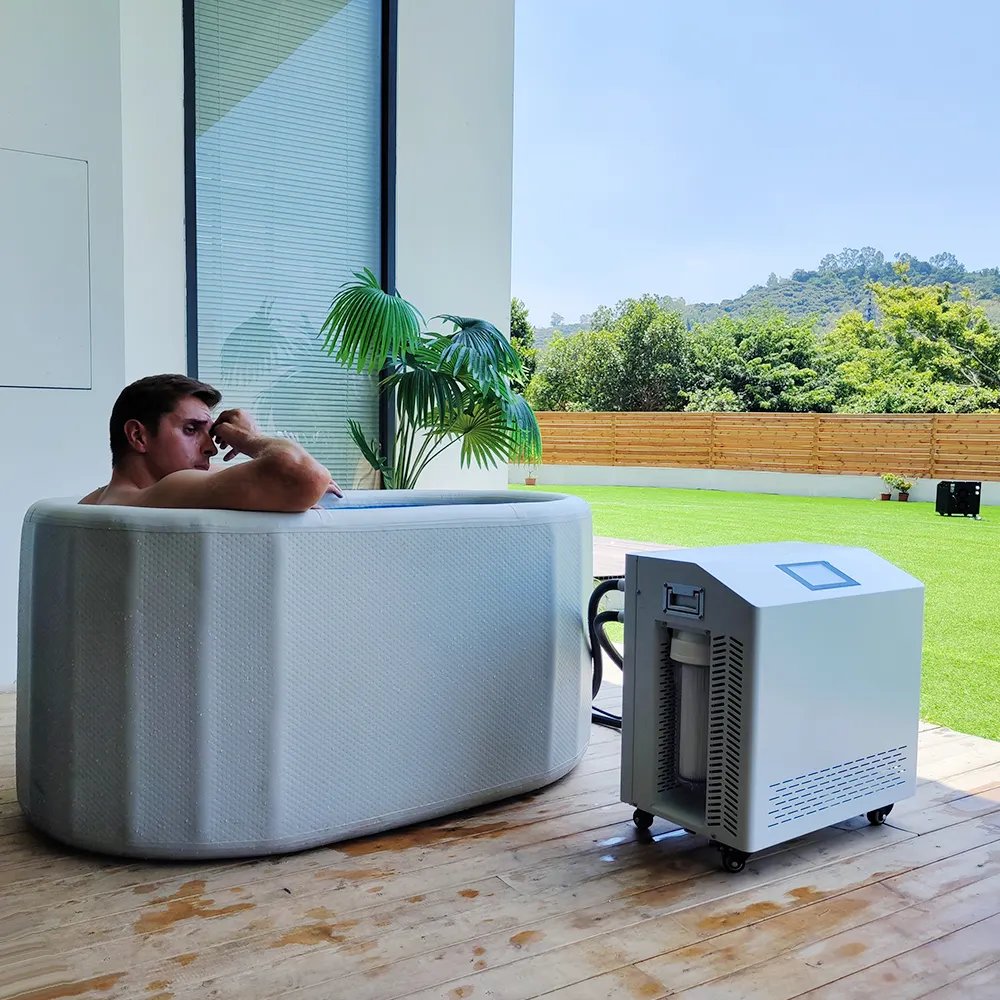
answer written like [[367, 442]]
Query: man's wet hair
[[147, 400]]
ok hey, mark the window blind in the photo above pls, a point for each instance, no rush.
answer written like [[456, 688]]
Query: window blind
[[287, 183]]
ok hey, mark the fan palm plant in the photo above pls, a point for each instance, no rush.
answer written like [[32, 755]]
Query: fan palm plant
[[450, 388]]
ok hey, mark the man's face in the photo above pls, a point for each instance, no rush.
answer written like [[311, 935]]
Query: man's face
[[182, 440]]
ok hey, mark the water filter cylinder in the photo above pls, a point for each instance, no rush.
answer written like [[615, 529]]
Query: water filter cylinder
[[690, 651]]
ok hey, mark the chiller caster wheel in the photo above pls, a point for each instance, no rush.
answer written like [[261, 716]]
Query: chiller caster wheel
[[877, 816], [733, 860], [642, 819]]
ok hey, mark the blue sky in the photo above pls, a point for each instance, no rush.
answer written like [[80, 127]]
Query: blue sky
[[691, 149]]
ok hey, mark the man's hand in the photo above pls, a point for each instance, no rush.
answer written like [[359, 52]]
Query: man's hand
[[236, 430], [334, 489]]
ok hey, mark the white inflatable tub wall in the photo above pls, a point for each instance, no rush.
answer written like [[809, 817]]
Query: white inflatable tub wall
[[218, 683]]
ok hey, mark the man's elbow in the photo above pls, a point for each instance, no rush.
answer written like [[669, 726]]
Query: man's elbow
[[300, 481]]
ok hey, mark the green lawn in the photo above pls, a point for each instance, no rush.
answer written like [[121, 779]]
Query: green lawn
[[958, 560]]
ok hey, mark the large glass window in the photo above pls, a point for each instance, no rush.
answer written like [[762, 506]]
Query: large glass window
[[287, 182]]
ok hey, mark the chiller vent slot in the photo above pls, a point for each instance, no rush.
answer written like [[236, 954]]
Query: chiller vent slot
[[666, 764], [832, 786], [725, 727]]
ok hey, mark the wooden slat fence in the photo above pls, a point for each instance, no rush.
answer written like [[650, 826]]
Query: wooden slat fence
[[924, 446]]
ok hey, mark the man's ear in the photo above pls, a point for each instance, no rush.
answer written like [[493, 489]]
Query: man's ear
[[136, 435]]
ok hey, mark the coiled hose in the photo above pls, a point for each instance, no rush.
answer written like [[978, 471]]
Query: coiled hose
[[599, 641]]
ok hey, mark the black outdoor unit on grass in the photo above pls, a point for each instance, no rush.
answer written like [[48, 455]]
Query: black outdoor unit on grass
[[958, 498]]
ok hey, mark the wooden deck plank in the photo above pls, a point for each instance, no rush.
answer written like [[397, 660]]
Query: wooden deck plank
[[688, 919], [453, 849], [956, 786], [687, 965], [910, 975], [942, 765], [834, 958], [626, 983], [754, 945], [554, 893], [260, 877], [981, 985], [645, 913], [524, 960], [294, 914], [940, 750], [984, 802]]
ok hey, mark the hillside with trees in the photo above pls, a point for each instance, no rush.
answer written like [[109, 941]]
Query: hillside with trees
[[838, 285], [908, 345]]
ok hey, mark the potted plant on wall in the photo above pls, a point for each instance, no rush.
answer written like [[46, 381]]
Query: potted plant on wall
[[904, 486], [450, 388], [890, 481]]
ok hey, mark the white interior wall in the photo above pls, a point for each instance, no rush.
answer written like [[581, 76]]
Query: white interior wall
[[60, 97], [101, 83], [152, 73], [455, 142]]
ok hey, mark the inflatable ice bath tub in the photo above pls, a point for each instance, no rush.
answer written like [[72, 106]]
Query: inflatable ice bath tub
[[219, 683]]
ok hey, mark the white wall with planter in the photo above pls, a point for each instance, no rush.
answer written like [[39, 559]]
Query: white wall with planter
[[783, 483], [454, 176]]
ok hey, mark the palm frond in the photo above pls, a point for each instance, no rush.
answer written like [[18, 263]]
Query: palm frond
[[481, 348], [424, 395], [371, 453], [520, 419], [367, 326], [485, 435], [524, 427]]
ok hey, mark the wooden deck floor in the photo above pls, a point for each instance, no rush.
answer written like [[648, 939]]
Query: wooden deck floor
[[552, 894]]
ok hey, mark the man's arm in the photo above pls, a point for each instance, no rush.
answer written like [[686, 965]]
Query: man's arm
[[277, 480], [281, 476]]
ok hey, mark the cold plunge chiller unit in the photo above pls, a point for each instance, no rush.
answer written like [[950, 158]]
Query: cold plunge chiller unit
[[769, 690]]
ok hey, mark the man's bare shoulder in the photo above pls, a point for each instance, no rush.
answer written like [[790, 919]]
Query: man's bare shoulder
[[94, 497], [113, 496]]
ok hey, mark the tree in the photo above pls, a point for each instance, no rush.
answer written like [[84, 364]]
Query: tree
[[920, 347], [951, 338], [867, 260], [520, 328], [901, 268], [522, 339], [930, 354], [945, 262], [714, 399], [556, 320], [579, 372], [639, 361], [762, 362], [654, 352], [602, 318]]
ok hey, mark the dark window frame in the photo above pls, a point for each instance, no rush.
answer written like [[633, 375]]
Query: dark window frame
[[387, 199]]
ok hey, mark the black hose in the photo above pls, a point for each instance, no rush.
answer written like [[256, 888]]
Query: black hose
[[605, 587], [599, 641], [599, 717], [602, 637]]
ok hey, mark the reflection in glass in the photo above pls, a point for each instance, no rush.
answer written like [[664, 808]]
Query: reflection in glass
[[287, 105]]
